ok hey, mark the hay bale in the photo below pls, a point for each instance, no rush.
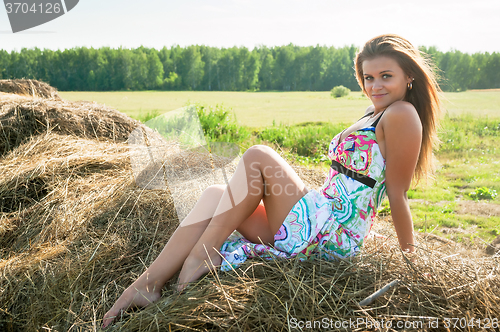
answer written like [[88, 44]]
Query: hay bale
[[29, 87], [89, 214], [442, 282], [67, 254], [24, 117]]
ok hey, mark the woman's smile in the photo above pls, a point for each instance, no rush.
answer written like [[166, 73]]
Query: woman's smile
[[384, 80]]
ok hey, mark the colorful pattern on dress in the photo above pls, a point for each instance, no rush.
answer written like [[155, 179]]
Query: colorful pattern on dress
[[331, 223]]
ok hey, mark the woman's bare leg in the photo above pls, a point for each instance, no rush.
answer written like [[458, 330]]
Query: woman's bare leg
[[261, 175], [147, 288], [256, 227]]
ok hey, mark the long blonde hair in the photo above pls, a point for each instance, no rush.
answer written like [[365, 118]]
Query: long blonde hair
[[423, 95]]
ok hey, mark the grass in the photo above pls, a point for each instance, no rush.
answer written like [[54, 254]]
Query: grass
[[447, 202], [254, 109], [477, 102], [259, 109]]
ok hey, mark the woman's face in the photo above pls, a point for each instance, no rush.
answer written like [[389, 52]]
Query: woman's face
[[385, 81]]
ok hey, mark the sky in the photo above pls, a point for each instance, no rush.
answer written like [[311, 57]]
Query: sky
[[466, 25]]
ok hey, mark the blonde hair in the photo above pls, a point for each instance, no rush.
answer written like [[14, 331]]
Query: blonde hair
[[423, 95]]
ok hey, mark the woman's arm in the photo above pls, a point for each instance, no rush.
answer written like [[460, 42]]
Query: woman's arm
[[403, 136]]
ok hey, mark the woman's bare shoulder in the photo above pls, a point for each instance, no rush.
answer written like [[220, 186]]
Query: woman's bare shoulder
[[402, 113], [401, 106]]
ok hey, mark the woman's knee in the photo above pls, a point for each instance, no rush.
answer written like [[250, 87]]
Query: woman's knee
[[259, 149], [258, 153], [215, 190]]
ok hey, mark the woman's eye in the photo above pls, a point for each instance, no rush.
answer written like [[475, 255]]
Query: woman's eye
[[386, 76]]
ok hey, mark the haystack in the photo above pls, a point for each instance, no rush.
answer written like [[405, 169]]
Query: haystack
[[29, 87], [75, 230], [24, 115]]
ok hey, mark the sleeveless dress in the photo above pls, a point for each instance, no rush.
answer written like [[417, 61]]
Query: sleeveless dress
[[331, 223]]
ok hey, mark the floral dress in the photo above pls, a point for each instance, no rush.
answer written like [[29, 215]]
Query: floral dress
[[333, 222]]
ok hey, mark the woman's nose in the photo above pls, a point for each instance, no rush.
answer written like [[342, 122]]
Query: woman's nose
[[376, 85]]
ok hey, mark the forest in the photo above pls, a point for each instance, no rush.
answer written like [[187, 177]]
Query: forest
[[278, 68]]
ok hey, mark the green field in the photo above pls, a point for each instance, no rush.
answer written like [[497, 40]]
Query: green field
[[468, 158], [259, 109]]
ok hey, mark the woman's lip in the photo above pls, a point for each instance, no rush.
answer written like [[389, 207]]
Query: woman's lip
[[378, 96]]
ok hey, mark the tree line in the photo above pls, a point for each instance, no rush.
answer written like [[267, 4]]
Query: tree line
[[284, 68]]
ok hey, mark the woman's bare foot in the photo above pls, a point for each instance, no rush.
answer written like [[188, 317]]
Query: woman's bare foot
[[196, 265], [139, 294]]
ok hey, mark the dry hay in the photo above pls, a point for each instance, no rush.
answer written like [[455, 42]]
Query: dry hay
[[22, 117], [75, 230], [29, 87]]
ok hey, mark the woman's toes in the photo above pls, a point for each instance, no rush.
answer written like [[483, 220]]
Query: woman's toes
[[108, 318], [134, 296]]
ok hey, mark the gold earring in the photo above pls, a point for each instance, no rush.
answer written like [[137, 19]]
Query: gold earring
[[410, 86]]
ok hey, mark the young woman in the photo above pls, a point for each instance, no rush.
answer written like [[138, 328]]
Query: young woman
[[266, 210]]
